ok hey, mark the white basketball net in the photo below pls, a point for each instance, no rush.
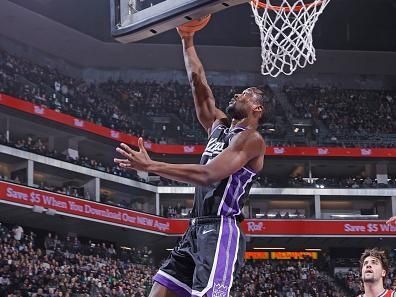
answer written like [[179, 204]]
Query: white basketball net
[[286, 34]]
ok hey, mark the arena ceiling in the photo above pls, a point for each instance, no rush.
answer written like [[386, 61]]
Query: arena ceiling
[[363, 25]]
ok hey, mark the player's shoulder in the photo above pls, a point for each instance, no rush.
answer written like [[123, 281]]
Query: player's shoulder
[[253, 136], [250, 139], [389, 293]]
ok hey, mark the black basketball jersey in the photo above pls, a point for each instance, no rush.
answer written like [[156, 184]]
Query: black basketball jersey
[[226, 197]]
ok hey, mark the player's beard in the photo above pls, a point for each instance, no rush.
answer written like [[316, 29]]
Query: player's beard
[[234, 113]]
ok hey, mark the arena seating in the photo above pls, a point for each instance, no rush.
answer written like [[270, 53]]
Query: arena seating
[[67, 267], [40, 263], [352, 117]]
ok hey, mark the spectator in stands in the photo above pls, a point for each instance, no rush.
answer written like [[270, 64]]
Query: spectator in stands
[[18, 233], [374, 267], [49, 244]]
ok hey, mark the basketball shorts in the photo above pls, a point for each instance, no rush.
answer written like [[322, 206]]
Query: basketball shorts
[[206, 259]]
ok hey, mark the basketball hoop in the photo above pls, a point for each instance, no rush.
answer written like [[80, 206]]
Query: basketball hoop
[[286, 33]]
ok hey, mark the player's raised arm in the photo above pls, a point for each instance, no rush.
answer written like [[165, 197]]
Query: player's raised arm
[[204, 101]]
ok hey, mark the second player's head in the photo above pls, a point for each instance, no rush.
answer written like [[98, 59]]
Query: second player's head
[[374, 266]]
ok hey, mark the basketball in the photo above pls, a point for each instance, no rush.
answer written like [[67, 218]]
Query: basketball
[[195, 25]]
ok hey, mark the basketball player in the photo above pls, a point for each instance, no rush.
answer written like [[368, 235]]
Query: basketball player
[[374, 267], [212, 249]]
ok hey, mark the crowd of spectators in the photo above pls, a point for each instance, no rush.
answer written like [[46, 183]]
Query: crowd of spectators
[[119, 105], [48, 87], [284, 279], [128, 106], [47, 265], [67, 267], [348, 114]]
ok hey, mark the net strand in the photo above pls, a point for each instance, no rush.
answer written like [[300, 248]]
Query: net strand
[[286, 34]]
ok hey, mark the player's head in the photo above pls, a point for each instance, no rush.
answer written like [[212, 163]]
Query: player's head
[[374, 266], [249, 103]]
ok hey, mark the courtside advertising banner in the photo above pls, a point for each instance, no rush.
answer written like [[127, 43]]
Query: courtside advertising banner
[[28, 197], [89, 210]]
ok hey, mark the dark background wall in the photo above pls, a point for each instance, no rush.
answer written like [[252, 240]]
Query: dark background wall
[[345, 24], [27, 33]]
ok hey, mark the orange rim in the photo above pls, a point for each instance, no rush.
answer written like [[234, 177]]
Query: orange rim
[[284, 8]]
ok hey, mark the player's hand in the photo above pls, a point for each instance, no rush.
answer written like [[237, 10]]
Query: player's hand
[[137, 160], [392, 221], [183, 34]]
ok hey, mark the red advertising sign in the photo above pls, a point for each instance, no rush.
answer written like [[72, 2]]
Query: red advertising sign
[[85, 209], [90, 210], [318, 227], [68, 120]]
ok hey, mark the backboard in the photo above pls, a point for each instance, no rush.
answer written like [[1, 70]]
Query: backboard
[[134, 20]]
